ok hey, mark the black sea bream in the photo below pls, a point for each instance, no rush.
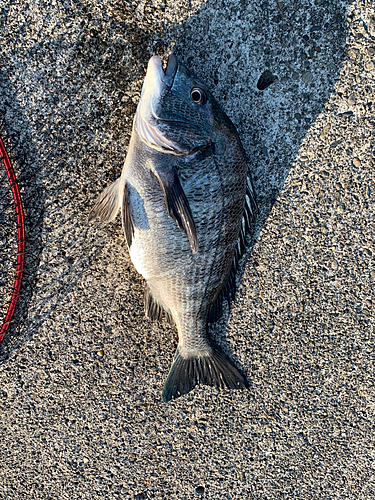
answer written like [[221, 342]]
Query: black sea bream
[[186, 200]]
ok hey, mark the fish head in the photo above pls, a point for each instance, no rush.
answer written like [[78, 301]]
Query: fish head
[[175, 113]]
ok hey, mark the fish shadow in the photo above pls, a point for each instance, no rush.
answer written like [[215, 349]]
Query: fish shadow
[[271, 66]]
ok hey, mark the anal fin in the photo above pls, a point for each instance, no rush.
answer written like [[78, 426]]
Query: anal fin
[[153, 310]]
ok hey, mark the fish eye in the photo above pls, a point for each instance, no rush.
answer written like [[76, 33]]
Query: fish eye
[[198, 96]]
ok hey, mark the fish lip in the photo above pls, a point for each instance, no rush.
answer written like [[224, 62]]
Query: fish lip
[[170, 70]]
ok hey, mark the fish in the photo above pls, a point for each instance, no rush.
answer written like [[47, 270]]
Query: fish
[[187, 203]]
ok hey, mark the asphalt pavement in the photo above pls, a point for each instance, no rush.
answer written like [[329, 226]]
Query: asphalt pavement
[[82, 369]]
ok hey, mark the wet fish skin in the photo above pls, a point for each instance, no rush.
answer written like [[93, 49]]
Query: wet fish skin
[[186, 197]]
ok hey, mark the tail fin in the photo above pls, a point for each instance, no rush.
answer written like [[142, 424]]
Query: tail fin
[[215, 370]]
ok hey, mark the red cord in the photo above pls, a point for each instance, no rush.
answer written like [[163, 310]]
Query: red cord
[[20, 238]]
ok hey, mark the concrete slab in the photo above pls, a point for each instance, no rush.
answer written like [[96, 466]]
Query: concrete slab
[[82, 371]]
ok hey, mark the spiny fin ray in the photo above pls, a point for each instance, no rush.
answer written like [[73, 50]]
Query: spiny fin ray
[[229, 289]]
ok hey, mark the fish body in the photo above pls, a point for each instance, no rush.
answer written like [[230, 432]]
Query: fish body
[[187, 201]]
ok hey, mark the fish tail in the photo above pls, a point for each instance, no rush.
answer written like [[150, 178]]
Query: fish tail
[[214, 369]]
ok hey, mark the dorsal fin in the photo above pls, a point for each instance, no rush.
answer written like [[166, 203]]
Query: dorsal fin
[[229, 289]]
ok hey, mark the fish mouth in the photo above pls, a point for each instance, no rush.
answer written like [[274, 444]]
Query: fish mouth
[[170, 70], [157, 79]]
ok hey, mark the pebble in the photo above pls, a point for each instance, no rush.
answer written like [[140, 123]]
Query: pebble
[[352, 99], [325, 131], [357, 162], [307, 77], [372, 274], [340, 209], [100, 353], [369, 66], [334, 265]]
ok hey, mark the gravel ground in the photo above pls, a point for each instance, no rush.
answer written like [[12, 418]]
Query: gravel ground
[[82, 371]]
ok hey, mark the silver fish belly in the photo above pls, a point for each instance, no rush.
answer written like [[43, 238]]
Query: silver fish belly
[[187, 202]]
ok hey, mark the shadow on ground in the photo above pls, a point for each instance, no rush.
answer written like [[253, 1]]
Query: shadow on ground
[[16, 135], [293, 54], [87, 82]]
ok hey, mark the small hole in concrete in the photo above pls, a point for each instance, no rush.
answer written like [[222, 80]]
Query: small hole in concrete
[[199, 490], [265, 80]]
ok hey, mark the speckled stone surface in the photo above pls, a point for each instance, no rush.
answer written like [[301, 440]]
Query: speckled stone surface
[[82, 372]]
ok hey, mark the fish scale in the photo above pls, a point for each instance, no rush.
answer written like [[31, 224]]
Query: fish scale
[[190, 272], [186, 200]]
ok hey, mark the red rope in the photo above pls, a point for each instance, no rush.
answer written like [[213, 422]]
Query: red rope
[[20, 238]]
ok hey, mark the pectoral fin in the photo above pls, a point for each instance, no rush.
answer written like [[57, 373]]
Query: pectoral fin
[[108, 203], [178, 206]]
